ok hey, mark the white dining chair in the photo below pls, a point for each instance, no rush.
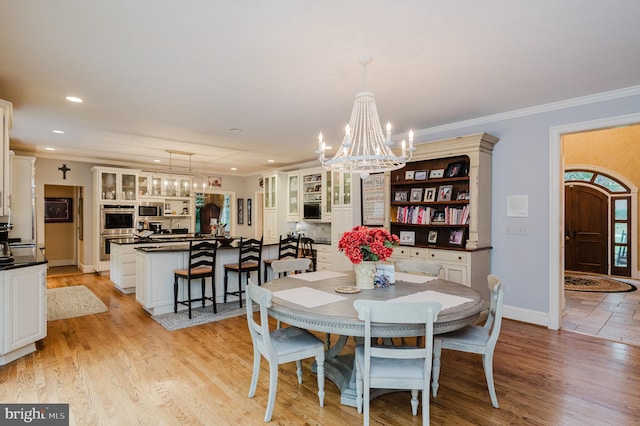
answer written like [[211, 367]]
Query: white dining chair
[[278, 347], [474, 339], [395, 367], [285, 266], [433, 269]]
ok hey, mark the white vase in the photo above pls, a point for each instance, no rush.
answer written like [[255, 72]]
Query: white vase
[[365, 273]]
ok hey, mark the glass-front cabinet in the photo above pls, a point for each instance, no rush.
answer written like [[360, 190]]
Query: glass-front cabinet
[[270, 191], [293, 197], [160, 185], [117, 185]]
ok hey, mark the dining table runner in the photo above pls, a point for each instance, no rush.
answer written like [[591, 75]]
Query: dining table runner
[[446, 300], [308, 297]]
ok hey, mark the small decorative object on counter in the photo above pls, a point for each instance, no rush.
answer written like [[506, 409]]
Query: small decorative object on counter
[[381, 281], [364, 247]]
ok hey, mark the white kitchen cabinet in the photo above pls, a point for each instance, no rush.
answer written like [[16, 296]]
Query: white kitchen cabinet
[[324, 257], [113, 184], [345, 214], [23, 204], [23, 315], [275, 211], [5, 165], [293, 197]]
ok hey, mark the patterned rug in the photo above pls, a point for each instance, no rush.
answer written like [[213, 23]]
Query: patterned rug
[[595, 283], [201, 315], [73, 301]]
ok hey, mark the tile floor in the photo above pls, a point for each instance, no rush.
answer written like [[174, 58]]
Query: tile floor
[[612, 316]]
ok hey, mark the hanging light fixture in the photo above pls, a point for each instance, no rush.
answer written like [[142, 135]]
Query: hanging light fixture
[[365, 149]]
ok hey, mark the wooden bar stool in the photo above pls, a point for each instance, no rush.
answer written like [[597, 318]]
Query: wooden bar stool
[[249, 257], [287, 248], [202, 264]]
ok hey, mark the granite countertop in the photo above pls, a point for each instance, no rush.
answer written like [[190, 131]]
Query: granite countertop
[[24, 257], [171, 245]]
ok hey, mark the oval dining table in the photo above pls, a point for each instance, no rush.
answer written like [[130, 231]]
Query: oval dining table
[[340, 317]]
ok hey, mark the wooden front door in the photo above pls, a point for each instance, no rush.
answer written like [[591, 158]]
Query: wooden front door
[[586, 229]]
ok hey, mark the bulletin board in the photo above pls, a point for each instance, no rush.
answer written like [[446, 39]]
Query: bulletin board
[[373, 200]]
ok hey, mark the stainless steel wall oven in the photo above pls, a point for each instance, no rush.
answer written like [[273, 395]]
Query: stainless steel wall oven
[[116, 221]]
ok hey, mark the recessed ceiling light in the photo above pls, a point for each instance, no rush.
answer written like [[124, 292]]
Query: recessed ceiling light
[[50, 149], [235, 130], [74, 99], [234, 168], [58, 131], [271, 161], [156, 161]]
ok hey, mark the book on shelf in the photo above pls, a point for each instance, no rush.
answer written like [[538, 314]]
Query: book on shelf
[[421, 215]]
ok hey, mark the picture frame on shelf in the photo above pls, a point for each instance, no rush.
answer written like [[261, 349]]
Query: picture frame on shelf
[[436, 173], [438, 217], [401, 196], [456, 237], [408, 237], [416, 195], [432, 238], [420, 175], [430, 195], [462, 195], [454, 169], [409, 175], [444, 192]]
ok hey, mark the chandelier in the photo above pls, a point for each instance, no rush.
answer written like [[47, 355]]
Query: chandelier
[[365, 149]]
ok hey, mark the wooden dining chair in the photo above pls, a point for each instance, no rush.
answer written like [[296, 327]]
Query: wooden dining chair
[[395, 367], [202, 265], [475, 339], [278, 347], [249, 256], [287, 249], [286, 266]]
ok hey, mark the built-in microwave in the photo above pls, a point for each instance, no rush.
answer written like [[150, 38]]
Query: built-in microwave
[[312, 211], [150, 209]]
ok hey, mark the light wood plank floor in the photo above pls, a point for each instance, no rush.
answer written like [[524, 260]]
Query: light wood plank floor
[[122, 368]]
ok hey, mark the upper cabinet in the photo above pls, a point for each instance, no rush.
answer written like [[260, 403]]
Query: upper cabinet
[[114, 184], [442, 199], [5, 172], [293, 196], [275, 207], [164, 185]]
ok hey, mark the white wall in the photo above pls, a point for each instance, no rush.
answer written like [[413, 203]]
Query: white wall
[[521, 166]]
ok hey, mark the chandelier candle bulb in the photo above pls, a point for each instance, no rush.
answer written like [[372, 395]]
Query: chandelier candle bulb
[[410, 140], [388, 132], [404, 148]]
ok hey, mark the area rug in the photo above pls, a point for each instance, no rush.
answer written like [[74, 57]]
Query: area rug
[[595, 283], [201, 315], [73, 301]]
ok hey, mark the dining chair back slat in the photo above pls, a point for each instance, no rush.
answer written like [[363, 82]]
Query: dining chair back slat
[[395, 367]]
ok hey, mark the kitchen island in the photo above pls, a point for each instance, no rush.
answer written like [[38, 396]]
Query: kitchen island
[[23, 302], [154, 264]]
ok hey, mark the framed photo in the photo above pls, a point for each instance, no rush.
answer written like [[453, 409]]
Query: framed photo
[[214, 180], [444, 192], [462, 195], [456, 236], [454, 169], [420, 175], [416, 195], [401, 196], [430, 195], [249, 211], [438, 216], [57, 210], [437, 173], [409, 175], [240, 211], [407, 237], [433, 236]]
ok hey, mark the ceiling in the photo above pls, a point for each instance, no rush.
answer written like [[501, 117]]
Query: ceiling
[[243, 82]]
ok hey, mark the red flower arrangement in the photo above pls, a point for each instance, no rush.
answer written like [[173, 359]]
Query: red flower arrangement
[[364, 244]]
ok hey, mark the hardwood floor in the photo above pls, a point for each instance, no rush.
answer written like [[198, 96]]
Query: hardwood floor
[[123, 368]]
